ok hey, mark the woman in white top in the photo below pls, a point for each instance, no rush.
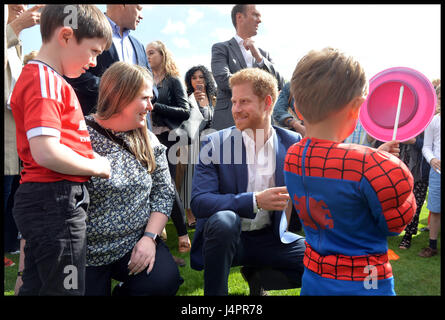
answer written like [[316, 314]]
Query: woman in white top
[[201, 91], [431, 152]]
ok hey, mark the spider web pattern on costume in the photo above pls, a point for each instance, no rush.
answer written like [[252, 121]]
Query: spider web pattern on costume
[[387, 175], [352, 268]]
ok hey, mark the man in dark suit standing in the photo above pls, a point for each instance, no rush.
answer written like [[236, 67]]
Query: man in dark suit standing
[[238, 53], [122, 18], [239, 196]]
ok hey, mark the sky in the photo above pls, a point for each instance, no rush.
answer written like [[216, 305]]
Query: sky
[[378, 36]]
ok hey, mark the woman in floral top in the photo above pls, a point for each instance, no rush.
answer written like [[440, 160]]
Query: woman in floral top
[[128, 210]]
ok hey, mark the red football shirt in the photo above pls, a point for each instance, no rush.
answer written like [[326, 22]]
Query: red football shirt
[[43, 103]]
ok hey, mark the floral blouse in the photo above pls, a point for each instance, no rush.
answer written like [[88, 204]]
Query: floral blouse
[[120, 206]]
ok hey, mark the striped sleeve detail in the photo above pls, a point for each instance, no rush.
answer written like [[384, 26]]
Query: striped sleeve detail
[[50, 82]]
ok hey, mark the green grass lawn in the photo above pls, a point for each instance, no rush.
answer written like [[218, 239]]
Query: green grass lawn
[[414, 276]]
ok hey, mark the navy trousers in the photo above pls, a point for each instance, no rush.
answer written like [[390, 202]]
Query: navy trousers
[[163, 280], [225, 246]]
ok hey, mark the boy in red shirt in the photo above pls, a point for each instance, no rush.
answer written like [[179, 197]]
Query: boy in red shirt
[[54, 145]]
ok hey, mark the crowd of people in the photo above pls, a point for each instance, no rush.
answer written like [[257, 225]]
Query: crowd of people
[[93, 121]]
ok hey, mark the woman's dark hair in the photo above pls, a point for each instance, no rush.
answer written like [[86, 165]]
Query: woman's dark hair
[[208, 78]]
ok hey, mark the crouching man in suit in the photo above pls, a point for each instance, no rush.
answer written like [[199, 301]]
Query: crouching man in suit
[[239, 196]]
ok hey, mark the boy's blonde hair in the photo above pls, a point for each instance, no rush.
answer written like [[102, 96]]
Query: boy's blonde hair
[[168, 64], [326, 81], [87, 21], [120, 84], [263, 83]]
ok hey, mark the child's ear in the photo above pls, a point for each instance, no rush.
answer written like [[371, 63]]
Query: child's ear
[[298, 112], [64, 34], [356, 103]]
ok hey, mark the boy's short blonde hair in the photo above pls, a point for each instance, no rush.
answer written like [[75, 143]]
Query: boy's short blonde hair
[[87, 21], [263, 83], [326, 81]]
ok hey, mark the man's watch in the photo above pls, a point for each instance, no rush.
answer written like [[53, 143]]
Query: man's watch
[[153, 236]]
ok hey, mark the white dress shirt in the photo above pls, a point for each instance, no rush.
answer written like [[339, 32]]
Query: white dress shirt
[[123, 45], [261, 176], [431, 140], [250, 60]]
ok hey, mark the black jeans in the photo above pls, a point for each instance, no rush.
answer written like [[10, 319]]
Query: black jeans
[[163, 280], [10, 185], [51, 217]]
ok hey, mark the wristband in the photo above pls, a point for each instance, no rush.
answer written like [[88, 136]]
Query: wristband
[[20, 273]]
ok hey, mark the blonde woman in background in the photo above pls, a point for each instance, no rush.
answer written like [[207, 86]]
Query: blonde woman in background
[[169, 111]]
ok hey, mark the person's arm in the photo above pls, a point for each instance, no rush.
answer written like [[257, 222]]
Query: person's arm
[[280, 111], [220, 67], [206, 198], [269, 66], [427, 149], [19, 281], [144, 252], [392, 147], [161, 202], [27, 19], [48, 152], [388, 189]]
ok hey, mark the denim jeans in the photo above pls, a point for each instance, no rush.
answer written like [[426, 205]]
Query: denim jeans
[[51, 217]]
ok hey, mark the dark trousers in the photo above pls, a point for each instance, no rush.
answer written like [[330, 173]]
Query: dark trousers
[[163, 280], [420, 189], [10, 185], [178, 213], [225, 246], [51, 218]]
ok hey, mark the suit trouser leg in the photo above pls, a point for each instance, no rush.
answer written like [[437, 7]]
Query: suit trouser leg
[[226, 246], [221, 238], [262, 248]]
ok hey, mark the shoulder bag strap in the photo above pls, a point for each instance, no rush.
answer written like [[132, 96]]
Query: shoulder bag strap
[[108, 134]]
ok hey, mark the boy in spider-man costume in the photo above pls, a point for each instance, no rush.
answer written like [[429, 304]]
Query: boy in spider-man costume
[[349, 197]]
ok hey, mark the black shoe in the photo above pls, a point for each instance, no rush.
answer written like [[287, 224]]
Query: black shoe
[[251, 276]]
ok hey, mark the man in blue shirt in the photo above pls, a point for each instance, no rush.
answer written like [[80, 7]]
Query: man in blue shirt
[[123, 18]]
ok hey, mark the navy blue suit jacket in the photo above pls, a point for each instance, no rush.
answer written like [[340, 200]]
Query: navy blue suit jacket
[[87, 85], [220, 181]]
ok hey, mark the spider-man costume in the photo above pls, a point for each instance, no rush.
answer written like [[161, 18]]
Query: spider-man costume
[[350, 198]]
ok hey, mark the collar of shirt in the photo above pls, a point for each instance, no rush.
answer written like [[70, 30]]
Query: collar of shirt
[[116, 29], [248, 58], [261, 162], [123, 44], [261, 176]]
